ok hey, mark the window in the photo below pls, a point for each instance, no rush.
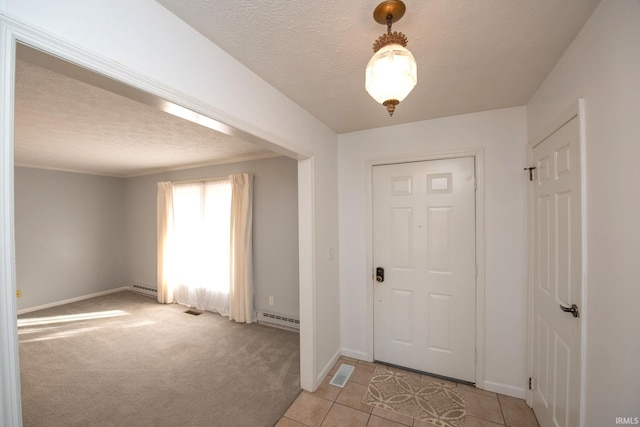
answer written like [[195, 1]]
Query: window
[[198, 255], [204, 245]]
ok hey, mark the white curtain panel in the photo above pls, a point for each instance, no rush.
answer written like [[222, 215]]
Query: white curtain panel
[[164, 219], [241, 294]]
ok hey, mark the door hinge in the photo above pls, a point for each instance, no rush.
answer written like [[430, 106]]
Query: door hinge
[[530, 383], [530, 169]]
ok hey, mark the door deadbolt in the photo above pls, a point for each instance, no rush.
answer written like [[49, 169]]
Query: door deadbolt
[[380, 274]]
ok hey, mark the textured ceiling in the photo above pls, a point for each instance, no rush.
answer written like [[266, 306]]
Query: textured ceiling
[[472, 55], [65, 124]]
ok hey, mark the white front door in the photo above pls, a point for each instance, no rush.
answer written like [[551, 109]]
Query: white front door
[[424, 239], [557, 278]]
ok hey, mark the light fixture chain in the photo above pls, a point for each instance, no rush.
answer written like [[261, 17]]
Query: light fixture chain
[[389, 22]]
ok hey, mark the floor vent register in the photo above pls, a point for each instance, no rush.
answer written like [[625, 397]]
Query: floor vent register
[[342, 376]]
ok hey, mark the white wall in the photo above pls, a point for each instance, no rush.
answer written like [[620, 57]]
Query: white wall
[[501, 134], [275, 228], [603, 66], [70, 235], [143, 44], [79, 234]]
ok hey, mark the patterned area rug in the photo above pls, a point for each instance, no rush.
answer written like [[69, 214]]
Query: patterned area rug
[[417, 397]]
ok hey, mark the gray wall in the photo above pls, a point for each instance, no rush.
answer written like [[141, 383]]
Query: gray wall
[[275, 228], [79, 234], [70, 231]]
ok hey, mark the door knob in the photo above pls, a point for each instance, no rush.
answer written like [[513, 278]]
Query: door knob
[[573, 310], [380, 274]]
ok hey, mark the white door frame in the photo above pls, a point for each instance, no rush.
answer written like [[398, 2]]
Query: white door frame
[[12, 32], [575, 110], [478, 155]]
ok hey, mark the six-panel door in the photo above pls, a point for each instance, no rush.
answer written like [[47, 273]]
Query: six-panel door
[[424, 238], [557, 278]]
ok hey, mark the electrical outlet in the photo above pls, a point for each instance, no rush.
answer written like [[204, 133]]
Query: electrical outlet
[[270, 300], [18, 293]]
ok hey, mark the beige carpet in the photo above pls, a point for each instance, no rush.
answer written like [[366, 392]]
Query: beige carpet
[[124, 360], [416, 397]]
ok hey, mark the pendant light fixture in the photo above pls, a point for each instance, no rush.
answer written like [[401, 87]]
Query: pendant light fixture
[[391, 73]]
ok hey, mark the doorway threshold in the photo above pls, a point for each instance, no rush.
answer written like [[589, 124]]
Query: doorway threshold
[[430, 374]]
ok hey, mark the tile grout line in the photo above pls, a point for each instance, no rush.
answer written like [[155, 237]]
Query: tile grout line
[[370, 413], [501, 410], [333, 402], [327, 414]]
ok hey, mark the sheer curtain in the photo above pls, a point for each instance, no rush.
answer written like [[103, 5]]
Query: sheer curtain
[[195, 264], [205, 245]]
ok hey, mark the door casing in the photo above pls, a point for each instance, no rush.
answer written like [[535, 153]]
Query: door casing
[[478, 155], [12, 32]]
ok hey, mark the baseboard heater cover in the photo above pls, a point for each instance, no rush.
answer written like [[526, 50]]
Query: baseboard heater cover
[[279, 321], [342, 376], [150, 292]]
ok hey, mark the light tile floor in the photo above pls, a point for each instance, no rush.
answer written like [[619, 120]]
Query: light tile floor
[[343, 407]]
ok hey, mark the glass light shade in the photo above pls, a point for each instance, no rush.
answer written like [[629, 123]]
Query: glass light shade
[[391, 73]]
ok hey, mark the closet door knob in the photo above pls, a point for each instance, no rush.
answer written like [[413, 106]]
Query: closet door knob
[[573, 310]]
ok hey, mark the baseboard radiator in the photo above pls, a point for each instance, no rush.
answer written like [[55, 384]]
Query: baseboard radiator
[[139, 289], [278, 321]]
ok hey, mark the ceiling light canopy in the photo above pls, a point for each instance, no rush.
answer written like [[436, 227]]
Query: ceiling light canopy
[[391, 73]]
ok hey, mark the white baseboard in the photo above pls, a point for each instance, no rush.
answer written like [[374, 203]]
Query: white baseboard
[[354, 354], [68, 301], [508, 390], [325, 370]]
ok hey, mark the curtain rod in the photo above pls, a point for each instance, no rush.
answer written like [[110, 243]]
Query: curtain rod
[[191, 181]]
